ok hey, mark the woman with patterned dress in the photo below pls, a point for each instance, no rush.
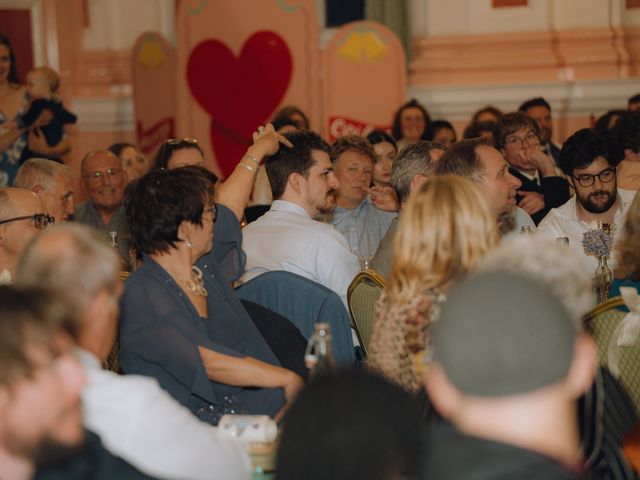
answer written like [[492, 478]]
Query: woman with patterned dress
[[13, 103], [446, 229]]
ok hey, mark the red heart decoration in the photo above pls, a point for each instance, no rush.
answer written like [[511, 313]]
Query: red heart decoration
[[239, 93]]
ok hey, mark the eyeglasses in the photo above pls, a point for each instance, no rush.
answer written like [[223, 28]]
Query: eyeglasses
[[40, 220], [98, 175], [212, 209], [605, 176], [529, 139]]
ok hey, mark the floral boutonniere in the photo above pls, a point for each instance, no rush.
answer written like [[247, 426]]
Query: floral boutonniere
[[598, 239]]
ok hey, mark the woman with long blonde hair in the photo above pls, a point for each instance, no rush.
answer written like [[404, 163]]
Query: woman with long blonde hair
[[627, 251], [445, 231]]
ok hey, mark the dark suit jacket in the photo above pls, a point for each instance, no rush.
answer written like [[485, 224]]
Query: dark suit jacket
[[553, 152], [555, 191]]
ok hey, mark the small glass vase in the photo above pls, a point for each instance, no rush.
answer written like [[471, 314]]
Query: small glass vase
[[602, 279]]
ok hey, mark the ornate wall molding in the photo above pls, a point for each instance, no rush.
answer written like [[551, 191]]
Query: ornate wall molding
[[587, 53]]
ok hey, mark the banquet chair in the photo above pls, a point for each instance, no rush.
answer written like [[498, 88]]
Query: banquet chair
[[362, 296], [113, 360], [304, 303], [601, 322]]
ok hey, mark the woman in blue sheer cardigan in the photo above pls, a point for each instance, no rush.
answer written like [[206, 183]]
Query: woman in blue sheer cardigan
[[180, 321]]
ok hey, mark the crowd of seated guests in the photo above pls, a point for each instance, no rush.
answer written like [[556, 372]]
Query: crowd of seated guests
[[487, 319]]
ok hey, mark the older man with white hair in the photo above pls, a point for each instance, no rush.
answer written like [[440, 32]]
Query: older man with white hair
[[52, 182]]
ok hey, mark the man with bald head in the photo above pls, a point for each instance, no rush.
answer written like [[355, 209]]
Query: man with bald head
[[22, 216], [51, 181], [104, 180]]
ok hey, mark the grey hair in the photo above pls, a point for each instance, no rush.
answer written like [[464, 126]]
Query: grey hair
[[413, 160], [40, 171], [557, 266], [77, 267], [462, 159]]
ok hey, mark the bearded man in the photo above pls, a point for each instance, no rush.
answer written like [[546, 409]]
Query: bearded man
[[588, 159]]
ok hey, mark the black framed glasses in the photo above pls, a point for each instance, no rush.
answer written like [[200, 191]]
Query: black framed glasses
[[211, 208], [605, 176], [530, 139], [40, 220], [99, 174]]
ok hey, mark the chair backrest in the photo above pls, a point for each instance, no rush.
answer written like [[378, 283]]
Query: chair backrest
[[601, 323], [362, 296], [113, 360], [304, 303]]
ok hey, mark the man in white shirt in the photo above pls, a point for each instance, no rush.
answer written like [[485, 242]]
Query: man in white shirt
[[588, 161], [135, 418], [287, 237]]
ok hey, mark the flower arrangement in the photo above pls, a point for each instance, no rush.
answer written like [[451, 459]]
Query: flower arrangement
[[597, 240]]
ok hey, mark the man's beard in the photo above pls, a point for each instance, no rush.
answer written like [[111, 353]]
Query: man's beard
[[45, 452], [50, 451], [590, 206], [329, 204]]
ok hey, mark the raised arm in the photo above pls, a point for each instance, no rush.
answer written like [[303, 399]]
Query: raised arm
[[235, 192]]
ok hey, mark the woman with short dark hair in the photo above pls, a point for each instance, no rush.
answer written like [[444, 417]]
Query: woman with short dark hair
[[182, 324]]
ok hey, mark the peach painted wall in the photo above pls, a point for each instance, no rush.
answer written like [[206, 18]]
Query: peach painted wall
[[582, 55]]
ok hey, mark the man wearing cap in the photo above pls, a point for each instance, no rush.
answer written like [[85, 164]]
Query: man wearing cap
[[510, 366]]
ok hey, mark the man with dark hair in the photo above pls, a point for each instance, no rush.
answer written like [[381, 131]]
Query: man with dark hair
[[540, 110], [353, 425], [412, 168], [510, 365], [287, 237], [355, 216], [589, 161], [40, 386], [476, 160], [543, 187], [627, 139], [634, 103]]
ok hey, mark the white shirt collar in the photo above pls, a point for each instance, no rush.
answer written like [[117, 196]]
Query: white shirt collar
[[287, 206]]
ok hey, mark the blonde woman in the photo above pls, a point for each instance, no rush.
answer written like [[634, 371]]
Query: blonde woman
[[627, 251], [445, 231]]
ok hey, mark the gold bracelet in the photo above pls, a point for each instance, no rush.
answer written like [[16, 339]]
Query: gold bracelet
[[251, 157]]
